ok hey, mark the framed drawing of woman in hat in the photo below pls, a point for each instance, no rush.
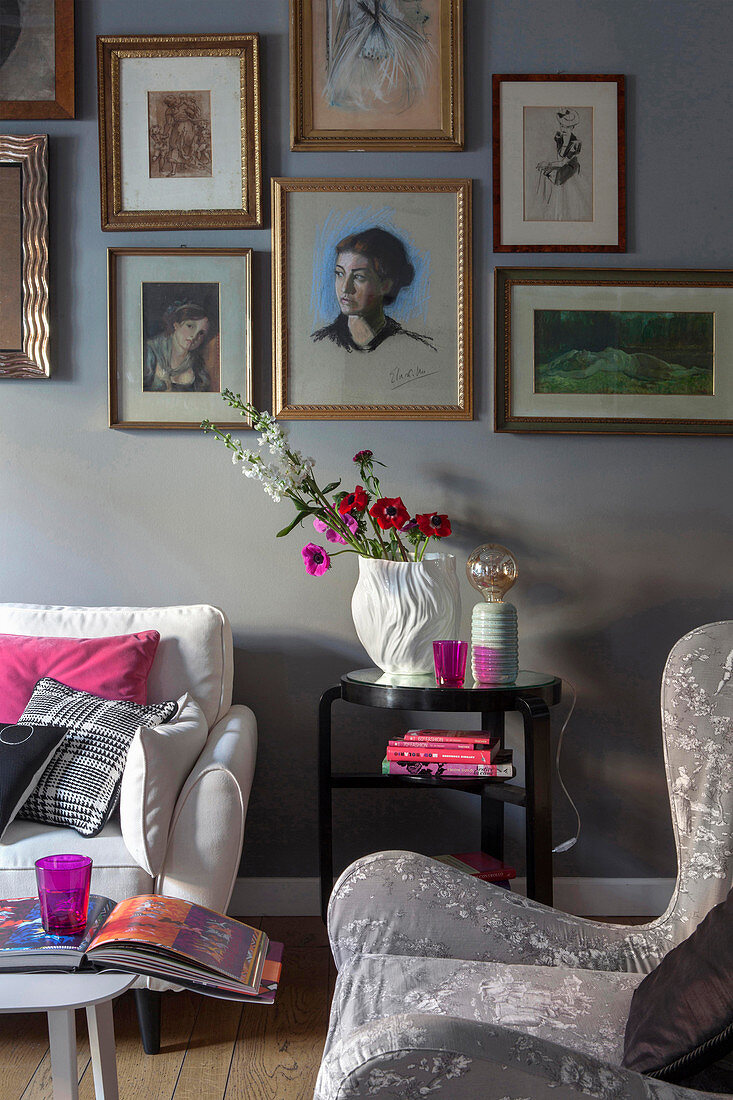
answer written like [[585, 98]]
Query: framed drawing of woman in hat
[[559, 164]]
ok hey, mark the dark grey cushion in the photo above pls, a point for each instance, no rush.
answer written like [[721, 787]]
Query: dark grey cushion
[[24, 753]]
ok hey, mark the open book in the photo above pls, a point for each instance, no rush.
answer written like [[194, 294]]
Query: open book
[[166, 938]]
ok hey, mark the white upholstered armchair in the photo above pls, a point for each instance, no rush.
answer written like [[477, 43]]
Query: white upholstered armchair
[[204, 845]]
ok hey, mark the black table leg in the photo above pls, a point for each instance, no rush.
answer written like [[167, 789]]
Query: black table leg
[[325, 829], [538, 783], [492, 812]]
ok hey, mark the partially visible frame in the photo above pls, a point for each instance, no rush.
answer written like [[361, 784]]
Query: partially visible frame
[[559, 163], [24, 324], [418, 366], [333, 104], [614, 351], [179, 131], [180, 332], [30, 87]]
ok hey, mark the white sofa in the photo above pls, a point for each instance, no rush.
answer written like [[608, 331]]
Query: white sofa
[[202, 857]]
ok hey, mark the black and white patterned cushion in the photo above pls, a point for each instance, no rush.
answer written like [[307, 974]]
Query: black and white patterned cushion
[[81, 784]]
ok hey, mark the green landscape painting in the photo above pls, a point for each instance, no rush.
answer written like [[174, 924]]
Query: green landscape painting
[[623, 352]]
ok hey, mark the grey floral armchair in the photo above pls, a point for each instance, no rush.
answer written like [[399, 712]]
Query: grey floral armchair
[[452, 986]]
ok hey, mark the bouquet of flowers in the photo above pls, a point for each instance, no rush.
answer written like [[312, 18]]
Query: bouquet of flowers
[[359, 521]]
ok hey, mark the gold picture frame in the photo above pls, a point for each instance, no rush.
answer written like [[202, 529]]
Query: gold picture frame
[[173, 141], [613, 351], [40, 92], [414, 243], [24, 315], [179, 332], [423, 109]]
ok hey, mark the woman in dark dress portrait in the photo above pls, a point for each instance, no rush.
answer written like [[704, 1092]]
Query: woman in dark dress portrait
[[173, 359], [372, 267]]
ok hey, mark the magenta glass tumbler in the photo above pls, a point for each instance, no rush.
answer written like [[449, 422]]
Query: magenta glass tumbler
[[63, 892], [450, 662]]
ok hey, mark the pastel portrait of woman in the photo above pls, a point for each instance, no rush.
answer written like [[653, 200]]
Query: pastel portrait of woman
[[372, 267], [174, 358]]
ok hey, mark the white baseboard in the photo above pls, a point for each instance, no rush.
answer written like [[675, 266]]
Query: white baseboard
[[587, 897]]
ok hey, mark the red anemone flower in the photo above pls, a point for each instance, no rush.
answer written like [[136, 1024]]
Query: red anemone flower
[[432, 524], [353, 502], [389, 512]]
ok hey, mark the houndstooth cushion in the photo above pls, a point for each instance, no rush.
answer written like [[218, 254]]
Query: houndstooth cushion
[[81, 784]]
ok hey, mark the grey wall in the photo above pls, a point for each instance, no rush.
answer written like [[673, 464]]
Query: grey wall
[[623, 542]]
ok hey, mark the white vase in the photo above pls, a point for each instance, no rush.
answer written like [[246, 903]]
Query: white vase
[[401, 607]]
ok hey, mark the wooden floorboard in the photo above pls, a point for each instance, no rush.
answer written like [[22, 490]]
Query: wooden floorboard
[[210, 1049]]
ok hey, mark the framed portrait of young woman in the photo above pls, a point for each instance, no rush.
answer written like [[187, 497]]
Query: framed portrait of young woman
[[36, 59], [559, 163], [372, 299], [180, 332], [376, 74], [24, 315], [179, 131]]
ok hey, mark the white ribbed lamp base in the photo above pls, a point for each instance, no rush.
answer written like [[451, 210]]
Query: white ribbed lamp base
[[494, 643]]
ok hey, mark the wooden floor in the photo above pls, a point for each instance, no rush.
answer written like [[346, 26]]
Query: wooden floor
[[210, 1049]]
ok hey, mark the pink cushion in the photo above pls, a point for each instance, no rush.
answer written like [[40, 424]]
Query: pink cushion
[[115, 667]]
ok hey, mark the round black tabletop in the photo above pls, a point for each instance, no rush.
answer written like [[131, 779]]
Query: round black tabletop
[[373, 688]]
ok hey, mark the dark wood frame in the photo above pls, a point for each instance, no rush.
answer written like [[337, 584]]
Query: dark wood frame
[[496, 82], [112, 255], [463, 409], [63, 105], [303, 134], [507, 278], [113, 48]]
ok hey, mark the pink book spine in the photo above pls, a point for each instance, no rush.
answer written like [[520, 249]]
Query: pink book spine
[[467, 771], [442, 746], [446, 756], [480, 737]]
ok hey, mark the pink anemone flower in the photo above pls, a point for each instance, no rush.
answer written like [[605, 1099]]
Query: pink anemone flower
[[316, 560], [333, 536]]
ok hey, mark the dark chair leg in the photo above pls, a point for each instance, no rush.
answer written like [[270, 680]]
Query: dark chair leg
[[147, 1003]]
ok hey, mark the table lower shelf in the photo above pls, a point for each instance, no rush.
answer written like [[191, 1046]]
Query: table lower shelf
[[496, 789]]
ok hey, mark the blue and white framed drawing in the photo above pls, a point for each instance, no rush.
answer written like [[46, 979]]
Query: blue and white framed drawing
[[372, 299]]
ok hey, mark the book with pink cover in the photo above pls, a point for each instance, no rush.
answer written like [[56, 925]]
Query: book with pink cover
[[162, 937]]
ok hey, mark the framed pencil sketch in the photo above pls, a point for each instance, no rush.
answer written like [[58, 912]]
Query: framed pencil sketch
[[24, 326], [37, 59], [371, 287], [559, 163], [179, 131], [614, 351], [376, 74], [180, 332]]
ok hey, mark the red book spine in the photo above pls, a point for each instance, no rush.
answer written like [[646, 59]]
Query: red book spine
[[446, 756], [481, 737]]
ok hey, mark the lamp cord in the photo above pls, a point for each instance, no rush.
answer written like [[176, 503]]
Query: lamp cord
[[567, 844]]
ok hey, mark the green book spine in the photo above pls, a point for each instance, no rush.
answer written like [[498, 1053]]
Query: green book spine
[[385, 766]]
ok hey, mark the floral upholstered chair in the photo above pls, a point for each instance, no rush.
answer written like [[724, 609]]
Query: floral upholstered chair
[[452, 986]]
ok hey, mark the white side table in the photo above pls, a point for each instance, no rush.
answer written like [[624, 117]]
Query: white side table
[[59, 995]]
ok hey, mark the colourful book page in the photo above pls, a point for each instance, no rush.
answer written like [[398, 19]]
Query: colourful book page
[[21, 928]]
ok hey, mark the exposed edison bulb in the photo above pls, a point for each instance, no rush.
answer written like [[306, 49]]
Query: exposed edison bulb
[[492, 570]]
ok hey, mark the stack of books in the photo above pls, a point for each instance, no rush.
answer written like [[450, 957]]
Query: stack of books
[[480, 865], [449, 754]]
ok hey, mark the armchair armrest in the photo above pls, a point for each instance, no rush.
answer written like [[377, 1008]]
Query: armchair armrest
[[207, 828], [416, 1054]]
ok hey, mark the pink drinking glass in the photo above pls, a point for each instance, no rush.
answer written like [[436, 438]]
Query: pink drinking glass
[[63, 893], [450, 662]]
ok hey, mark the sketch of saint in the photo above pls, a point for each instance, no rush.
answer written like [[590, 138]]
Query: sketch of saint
[[174, 362], [371, 268], [563, 184], [179, 134], [379, 55]]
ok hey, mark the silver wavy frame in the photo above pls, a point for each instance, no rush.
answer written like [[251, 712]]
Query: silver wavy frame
[[31, 152]]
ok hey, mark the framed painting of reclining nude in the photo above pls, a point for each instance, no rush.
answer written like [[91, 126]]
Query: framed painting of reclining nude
[[559, 163], [179, 131], [376, 74], [24, 321], [36, 59], [372, 299], [607, 351], [180, 332]]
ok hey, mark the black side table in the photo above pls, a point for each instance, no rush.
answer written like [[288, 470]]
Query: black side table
[[531, 694]]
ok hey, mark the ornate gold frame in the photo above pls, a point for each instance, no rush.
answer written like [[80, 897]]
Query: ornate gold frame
[[31, 361], [62, 106], [463, 409], [112, 257], [303, 134], [506, 420], [110, 51]]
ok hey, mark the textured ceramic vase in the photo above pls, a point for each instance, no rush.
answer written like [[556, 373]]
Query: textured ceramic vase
[[401, 607]]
